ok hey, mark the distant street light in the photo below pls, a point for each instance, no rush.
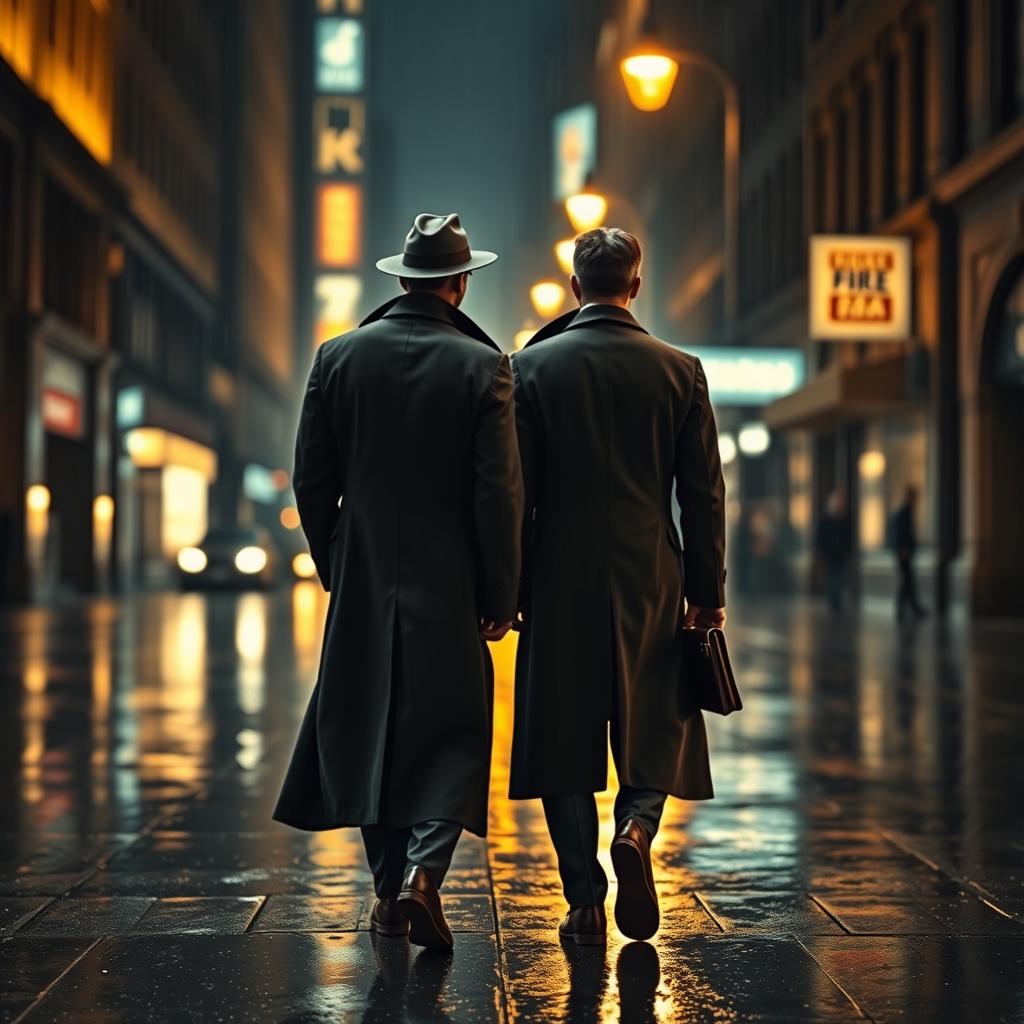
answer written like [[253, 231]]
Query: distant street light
[[547, 298], [586, 209], [754, 439], [564, 251], [523, 336], [649, 71], [649, 75]]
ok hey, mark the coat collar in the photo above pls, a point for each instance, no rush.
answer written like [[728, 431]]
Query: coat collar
[[425, 306], [597, 313]]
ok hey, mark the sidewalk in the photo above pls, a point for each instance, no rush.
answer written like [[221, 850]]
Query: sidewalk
[[863, 857]]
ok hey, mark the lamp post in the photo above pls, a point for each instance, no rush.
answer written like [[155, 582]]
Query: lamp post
[[649, 72]]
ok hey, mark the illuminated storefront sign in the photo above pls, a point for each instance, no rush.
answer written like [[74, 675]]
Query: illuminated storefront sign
[[63, 395], [339, 227], [751, 376], [575, 149], [339, 127], [337, 304], [339, 55], [860, 287]]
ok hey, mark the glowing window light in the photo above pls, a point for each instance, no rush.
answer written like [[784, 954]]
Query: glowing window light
[[547, 297], [871, 465], [37, 498], [754, 439]]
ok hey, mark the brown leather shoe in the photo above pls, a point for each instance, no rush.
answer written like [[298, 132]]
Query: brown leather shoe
[[386, 918], [586, 926], [420, 904], [636, 904]]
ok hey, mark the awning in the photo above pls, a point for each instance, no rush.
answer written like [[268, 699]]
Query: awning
[[840, 394]]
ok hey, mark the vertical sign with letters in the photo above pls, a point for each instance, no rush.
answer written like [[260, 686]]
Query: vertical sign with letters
[[339, 163]]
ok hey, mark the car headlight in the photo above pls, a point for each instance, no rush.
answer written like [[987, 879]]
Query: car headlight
[[251, 560], [191, 560], [302, 565]]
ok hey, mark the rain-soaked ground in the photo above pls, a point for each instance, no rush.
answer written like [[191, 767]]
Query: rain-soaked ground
[[864, 857]]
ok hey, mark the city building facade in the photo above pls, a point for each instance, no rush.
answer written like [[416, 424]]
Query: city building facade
[[866, 122], [146, 321]]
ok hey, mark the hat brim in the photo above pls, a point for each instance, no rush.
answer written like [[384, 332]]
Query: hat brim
[[394, 266]]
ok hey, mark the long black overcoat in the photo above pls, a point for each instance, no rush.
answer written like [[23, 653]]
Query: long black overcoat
[[409, 487], [609, 419]]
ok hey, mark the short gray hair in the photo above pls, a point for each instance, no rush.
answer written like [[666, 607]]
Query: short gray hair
[[605, 261]]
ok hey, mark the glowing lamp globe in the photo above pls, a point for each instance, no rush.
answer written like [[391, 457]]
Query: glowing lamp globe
[[586, 210], [547, 297], [649, 76], [564, 251]]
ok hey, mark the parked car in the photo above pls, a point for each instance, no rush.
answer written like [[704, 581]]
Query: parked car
[[236, 558]]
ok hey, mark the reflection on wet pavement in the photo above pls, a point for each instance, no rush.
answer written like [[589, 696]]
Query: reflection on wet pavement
[[864, 857]]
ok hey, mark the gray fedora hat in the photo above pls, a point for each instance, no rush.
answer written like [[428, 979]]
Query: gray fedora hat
[[436, 247]]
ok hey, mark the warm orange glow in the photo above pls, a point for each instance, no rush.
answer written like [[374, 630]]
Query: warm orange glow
[[649, 77], [37, 498], [564, 251], [523, 336], [547, 297], [290, 517], [339, 227], [586, 210], [74, 76], [303, 566]]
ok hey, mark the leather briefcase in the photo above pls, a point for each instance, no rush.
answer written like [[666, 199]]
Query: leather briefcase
[[707, 672]]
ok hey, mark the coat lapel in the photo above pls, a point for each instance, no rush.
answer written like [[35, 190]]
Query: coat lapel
[[429, 307], [584, 318]]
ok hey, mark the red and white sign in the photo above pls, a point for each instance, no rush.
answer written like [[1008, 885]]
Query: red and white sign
[[62, 396]]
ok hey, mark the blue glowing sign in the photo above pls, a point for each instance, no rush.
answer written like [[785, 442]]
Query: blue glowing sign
[[751, 376], [339, 48], [575, 142]]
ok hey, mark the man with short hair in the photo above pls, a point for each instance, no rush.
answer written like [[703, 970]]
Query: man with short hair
[[408, 484], [609, 420]]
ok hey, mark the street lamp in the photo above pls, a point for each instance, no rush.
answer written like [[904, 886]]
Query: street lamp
[[564, 251], [649, 72], [586, 209], [547, 298], [649, 75]]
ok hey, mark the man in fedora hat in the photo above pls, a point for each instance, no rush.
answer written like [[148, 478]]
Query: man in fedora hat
[[611, 422], [408, 484]]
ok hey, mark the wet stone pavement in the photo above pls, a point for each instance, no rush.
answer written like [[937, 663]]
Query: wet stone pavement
[[864, 858]]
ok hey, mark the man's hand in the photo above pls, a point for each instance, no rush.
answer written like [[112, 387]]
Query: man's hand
[[704, 618], [494, 631]]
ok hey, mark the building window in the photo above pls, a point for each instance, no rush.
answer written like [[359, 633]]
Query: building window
[[891, 131], [71, 258], [864, 156], [842, 169], [821, 183], [918, 103]]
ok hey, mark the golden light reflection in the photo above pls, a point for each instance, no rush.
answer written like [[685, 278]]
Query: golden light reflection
[[251, 644]]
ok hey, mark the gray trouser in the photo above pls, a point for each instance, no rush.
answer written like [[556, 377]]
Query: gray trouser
[[430, 844], [572, 822]]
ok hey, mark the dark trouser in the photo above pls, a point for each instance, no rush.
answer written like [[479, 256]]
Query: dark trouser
[[835, 582], [430, 844], [906, 594], [572, 822]]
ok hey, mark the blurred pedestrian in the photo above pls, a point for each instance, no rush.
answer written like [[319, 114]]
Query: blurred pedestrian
[[903, 543], [408, 484], [610, 419], [832, 544]]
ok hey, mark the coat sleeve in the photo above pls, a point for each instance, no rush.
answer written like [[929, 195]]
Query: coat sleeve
[[316, 479], [700, 490], [498, 497], [529, 453]]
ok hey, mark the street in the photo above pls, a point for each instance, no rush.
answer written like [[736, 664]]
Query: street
[[863, 858]]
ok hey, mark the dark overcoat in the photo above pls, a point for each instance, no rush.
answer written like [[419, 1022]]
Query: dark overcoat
[[409, 488], [610, 419]]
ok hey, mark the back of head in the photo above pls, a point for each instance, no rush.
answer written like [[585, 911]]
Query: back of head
[[606, 263]]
